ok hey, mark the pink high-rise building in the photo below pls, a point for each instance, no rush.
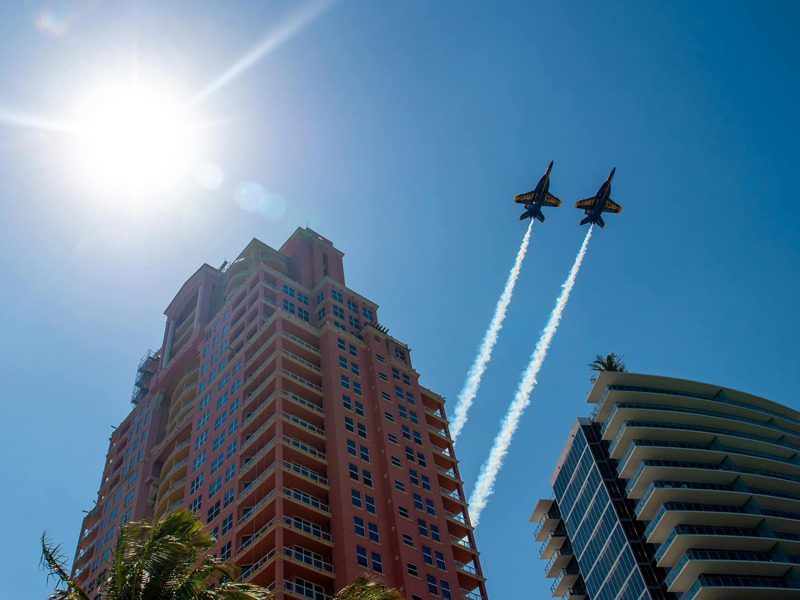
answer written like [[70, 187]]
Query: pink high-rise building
[[281, 413]]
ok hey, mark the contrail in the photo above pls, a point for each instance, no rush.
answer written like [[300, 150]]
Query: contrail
[[299, 20], [475, 373], [485, 484]]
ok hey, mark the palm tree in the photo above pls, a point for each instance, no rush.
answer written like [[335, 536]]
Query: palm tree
[[169, 560], [612, 362], [166, 560], [367, 588]]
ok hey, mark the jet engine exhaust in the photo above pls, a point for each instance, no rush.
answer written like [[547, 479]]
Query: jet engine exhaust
[[473, 381], [484, 486]]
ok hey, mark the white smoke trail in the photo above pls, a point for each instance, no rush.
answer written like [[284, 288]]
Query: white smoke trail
[[485, 484], [475, 373]]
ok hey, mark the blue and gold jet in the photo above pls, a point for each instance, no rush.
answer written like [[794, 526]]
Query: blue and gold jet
[[599, 203], [537, 198]]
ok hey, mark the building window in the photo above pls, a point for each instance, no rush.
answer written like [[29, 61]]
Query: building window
[[288, 291], [288, 306], [201, 439], [364, 451], [197, 482], [362, 431], [406, 432], [341, 344], [338, 312], [421, 459], [225, 551], [409, 454], [355, 497], [351, 448], [213, 512], [403, 512], [354, 368], [396, 462], [227, 524], [429, 507], [369, 504], [382, 376], [359, 409], [343, 362], [302, 298], [366, 476], [337, 296], [400, 354], [412, 569], [398, 485], [418, 502], [352, 306], [389, 416], [369, 316], [413, 476], [215, 487], [230, 472], [440, 561], [353, 350], [391, 437], [356, 388], [446, 590], [228, 499], [353, 472], [345, 382], [346, 402], [408, 540], [321, 296], [361, 556], [426, 483], [231, 449], [417, 438], [217, 463], [359, 526], [435, 533], [427, 555], [423, 527], [433, 588], [396, 374], [349, 425], [380, 358], [374, 535], [377, 562], [196, 504], [386, 396], [406, 379]]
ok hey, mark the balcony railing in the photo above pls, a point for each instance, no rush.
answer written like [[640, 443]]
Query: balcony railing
[[306, 498], [308, 528], [302, 361], [299, 379], [308, 559], [463, 542], [308, 473]]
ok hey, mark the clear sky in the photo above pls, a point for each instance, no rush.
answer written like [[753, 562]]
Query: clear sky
[[401, 131]]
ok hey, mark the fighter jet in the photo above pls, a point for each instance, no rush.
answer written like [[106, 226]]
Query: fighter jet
[[537, 198], [599, 203]]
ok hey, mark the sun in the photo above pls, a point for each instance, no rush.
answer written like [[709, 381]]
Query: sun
[[134, 140]]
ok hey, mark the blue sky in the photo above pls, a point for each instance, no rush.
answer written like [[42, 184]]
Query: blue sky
[[401, 131]]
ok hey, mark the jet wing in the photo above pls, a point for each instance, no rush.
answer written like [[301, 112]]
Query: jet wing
[[525, 197], [611, 207], [550, 200], [588, 203]]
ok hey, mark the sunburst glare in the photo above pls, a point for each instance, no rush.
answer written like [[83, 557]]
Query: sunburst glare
[[134, 140]]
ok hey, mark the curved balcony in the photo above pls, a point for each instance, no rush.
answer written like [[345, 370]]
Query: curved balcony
[[705, 537], [171, 496], [175, 472], [695, 563], [734, 587], [305, 563]]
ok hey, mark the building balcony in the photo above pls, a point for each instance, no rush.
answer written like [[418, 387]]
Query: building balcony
[[176, 471], [304, 383], [308, 562], [302, 363], [472, 594], [565, 579], [695, 563], [732, 587], [702, 537], [554, 540], [171, 495], [303, 590], [449, 474], [559, 560], [307, 533]]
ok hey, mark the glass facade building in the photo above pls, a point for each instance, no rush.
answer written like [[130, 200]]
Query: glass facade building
[[678, 490]]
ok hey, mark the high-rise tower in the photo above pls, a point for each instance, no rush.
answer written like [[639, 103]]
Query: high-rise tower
[[281, 413], [675, 490]]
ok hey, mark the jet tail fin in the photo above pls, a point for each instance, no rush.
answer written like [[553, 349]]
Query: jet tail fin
[[601, 222], [585, 221], [540, 216]]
